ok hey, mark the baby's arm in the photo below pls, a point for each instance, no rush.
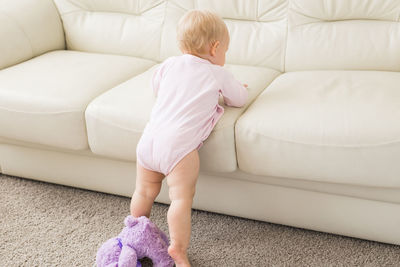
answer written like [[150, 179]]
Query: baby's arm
[[158, 74], [155, 81], [234, 93]]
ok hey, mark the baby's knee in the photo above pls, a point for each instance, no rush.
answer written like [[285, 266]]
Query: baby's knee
[[180, 192], [149, 190]]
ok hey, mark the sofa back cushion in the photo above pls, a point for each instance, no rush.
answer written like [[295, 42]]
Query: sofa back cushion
[[343, 34], [147, 28], [124, 27], [257, 29], [28, 28]]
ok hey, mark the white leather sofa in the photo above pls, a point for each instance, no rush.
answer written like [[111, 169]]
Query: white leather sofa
[[317, 146]]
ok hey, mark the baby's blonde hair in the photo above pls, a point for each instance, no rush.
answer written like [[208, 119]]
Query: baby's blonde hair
[[197, 29]]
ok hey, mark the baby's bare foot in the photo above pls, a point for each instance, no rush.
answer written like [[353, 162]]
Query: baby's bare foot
[[180, 258]]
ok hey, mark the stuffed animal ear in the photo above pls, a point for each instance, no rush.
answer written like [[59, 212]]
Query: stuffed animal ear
[[130, 221]]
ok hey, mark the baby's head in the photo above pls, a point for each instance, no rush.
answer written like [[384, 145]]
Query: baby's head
[[204, 34]]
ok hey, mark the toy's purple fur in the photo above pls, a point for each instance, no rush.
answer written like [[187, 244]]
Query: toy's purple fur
[[140, 238]]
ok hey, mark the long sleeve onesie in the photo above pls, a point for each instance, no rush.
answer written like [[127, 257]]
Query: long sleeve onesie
[[187, 88]]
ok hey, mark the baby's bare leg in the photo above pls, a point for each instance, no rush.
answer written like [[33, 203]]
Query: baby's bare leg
[[148, 186], [182, 184]]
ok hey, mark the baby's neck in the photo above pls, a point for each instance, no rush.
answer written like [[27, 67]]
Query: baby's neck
[[203, 56]]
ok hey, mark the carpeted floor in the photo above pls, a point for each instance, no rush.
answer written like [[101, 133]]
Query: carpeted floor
[[52, 225]]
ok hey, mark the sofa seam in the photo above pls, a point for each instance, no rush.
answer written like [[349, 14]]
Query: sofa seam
[[144, 11], [78, 5], [82, 9], [163, 28], [257, 16], [23, 31], [398, 15], [251, 20], [286, 37], [74, 11], [322, 20], [338, 20], [319, 145], [40, 112], [60, 19]]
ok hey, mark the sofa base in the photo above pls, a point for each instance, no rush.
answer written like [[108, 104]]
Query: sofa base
[[331, 213]]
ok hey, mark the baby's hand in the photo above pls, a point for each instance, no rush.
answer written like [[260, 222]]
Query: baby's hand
[[245, 85]]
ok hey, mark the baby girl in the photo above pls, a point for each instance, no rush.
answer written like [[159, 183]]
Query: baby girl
[[187, 88]]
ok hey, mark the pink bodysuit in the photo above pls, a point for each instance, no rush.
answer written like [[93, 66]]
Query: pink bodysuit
[[187, 88]]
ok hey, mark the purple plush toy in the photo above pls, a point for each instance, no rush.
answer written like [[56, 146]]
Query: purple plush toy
[[140, 238]]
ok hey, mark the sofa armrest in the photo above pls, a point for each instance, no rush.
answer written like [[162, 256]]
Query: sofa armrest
[[28, 28]]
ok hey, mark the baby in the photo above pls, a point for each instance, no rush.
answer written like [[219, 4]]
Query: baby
[[187, 88]]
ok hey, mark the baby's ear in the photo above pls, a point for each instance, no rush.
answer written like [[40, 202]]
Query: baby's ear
[[213, 48], [130, 221]]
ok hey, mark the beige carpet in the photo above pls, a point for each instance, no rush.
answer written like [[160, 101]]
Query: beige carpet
[[52, 225]]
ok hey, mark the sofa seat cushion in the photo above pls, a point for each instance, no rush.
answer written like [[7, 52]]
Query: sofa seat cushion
[[328, 126], [43, 100], [116, 119]]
